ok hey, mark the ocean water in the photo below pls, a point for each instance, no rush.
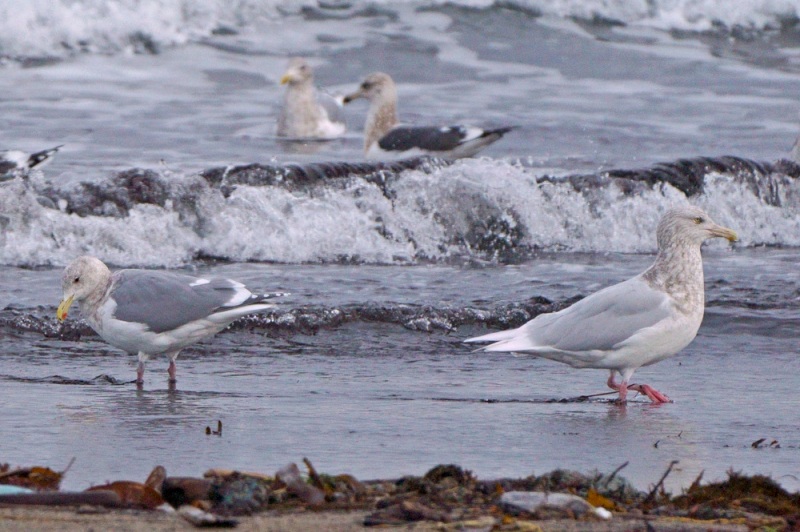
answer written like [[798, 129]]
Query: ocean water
[[622, 109]]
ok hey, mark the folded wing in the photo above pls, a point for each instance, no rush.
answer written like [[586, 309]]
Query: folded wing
[[599, 322], [165, 301]]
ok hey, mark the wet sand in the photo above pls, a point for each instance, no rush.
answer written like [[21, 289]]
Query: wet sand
[[14, 519]]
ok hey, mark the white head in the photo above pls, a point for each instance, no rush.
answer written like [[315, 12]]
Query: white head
[[82, 278], [689, 225], [377, 87], [298, 72]]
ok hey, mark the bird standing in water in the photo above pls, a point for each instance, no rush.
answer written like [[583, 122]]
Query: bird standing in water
[[147, 312], [635, 323]]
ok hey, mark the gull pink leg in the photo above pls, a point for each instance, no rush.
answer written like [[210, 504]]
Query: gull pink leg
[[171, 371], [654, 395], [622, 388], [140, 368], [140, 373]]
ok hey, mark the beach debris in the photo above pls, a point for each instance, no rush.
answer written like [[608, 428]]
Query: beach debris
[[202, 519], [313, 476], [405, 512], [610, 486], [220, 472], [7, 489], [178, 491], [447, 494], [440, 496], [344, 489], [156, 478], [460, 476], [217, 432], [36, 478], [737, 496], [658, 489], [759, 444], [132, 494], [104, 498], [598, 501], [454, 495], [290, 476], [239, 494], [543, 505]]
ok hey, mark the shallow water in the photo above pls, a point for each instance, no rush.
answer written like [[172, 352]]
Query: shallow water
[[362, 369], [376, 399]]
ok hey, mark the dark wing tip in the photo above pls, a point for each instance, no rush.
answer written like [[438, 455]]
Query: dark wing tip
[[41, 156], [499, 132], [271, 295]]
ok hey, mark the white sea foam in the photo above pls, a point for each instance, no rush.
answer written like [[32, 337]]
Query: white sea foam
[[55, 27], [691, 15], [60, 27], [430, 216]]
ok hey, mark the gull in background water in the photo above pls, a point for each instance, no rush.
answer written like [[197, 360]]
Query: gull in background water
[[15, 163], [306, 112], [149, 312], [632, 324], [385, 138]]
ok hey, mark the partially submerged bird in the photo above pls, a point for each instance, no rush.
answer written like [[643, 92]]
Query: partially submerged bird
[[384, 137], [15, 163], [150, 312], [306, 112], [632, 324]]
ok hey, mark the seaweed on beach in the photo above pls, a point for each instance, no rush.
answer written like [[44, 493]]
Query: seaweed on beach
[[36, 478], [754, 494], [448, 494]]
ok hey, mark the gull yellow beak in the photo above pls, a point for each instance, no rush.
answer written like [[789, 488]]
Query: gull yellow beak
[[286, 79], [61, 313], [724, 232]]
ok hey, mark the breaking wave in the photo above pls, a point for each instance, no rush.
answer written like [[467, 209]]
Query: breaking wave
[[413, 211], [44, 30]]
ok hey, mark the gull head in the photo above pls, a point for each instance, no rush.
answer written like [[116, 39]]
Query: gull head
[[690, 225], [376, 86], [298, 71], [83, 277]]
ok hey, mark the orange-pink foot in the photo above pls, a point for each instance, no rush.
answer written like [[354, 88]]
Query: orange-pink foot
[[654, 395]]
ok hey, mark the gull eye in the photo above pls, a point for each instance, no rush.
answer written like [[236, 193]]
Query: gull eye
[[366, 85], [698, 220], [76, 280]]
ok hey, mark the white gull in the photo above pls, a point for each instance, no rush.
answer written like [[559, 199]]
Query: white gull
[[635, 323], [149, 312], [306, 112], [385, 138]]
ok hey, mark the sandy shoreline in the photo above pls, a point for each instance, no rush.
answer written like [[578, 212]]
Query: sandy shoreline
[[21, 519], [446, 498]]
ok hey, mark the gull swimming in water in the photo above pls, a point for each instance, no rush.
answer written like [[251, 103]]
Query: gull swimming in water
[[635, 323], [307, 113], [149, 312], [15, 163], [384, 137]]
